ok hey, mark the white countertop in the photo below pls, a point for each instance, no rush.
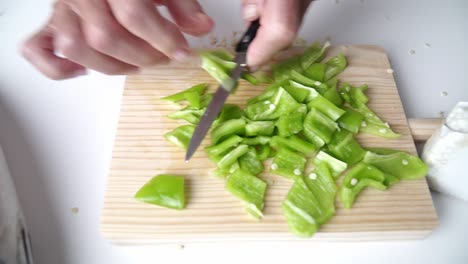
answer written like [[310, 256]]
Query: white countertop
[[58, 136]]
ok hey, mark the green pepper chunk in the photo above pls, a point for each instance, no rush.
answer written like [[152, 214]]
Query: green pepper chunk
[[335, 165], [333, 96], [228, 112], [288, 163], [194, 99], [294, 143], [312, 137], [219, 69], [362, 171], [345, 147], [259, 128], [250, 162], [348, 195], [226, 129], [335, 65], [313, 54], [249, 189], [372, 124], [263, 152], [354, 96], [390, 180], [281, 71], [299, 78], [224, 146], [228, 159], [399, 164], [323, 105], [280, 103], [322, 184], [292, 123], [256, 78], [181, 135], [199, 89], [316, 71], [259, 140], [164, 190], [320, 124], [351, 120], [188, 114]]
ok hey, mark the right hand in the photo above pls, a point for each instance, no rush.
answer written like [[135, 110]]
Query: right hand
[[113, 36]]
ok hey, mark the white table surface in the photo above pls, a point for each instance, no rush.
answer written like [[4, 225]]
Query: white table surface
[[58, 136]]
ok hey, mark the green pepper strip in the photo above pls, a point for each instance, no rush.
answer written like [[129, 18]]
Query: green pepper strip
[[322, 184], [199, 88], [316, 71], [336, 166], [348, 195], [163, 190], [323, 105], [320, 124], [181, 135], [335, 65], [232, 156], [224, 146], [227, 128], [219, 69], [259, 128], [249, 189], [288, 163], [294, 143], [351, 120], [362, 171], [312, 54], [260, 140], [399, 164], [346, 148], [263, 152], [250, 162], [188, 114], [290, 124], [280, 103]]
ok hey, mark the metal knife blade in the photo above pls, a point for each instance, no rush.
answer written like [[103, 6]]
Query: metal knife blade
[[215, 106]]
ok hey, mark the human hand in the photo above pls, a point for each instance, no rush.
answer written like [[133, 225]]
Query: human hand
[[279, 22], [113, 36]]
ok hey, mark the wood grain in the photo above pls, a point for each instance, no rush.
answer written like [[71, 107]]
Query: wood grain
[[405, 211], [423, 128]]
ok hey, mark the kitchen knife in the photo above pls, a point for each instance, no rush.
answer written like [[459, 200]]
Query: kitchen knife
[[223, 91]]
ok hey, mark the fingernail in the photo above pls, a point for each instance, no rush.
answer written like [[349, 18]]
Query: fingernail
[[250, 12], [181, 55], [201, 17]]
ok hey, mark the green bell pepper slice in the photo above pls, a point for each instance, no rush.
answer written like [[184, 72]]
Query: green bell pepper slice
[[312, 137], [263, 152], [345, 147], [180, 136], [322, 184], [259, 140], [316, 71], [224, 146], [188, 114], [292, 123], [390, 180], [249, 189], [323, 105], [354, 96], [351, 120], [313, 54], [228, 159], [299, 93], [333, 96], [293, 143], [219, 69], [348, 195], [256, 78], [372, 124], [280, 103], [250, 162], [335, 66], [288, 163], [399, 164], [259, 128], [320, 124], [362, 171], [198, 89], [335, 165], [227, 128], [228, 112], [302, 79], [164, 190], [282, 70]]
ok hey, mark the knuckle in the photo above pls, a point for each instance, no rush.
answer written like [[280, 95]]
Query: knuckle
[[26, 49], [69, 44], [130, 16], [284, 34], [100, 38]]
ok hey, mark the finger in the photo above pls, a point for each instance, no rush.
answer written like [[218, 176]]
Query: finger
[[106, 35], [251, 9], [69, 41], [39, 51], [143, 20], [277, 30], [190, 17]]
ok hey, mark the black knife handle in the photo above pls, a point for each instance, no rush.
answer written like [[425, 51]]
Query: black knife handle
[[247, 38]]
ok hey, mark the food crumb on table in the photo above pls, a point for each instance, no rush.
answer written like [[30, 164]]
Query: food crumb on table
[[75, 210], [412, 52]]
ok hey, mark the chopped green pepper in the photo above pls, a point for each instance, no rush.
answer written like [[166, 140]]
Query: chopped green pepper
[[219, 69], [333, 96], [224, 146], [199, 89], [281, 71], [316, 71], [188, 114], [362, 171], [291, 124], [259, 140], [229, 158], [259, 128], [249, 189], [322, 184], [348, 195], [299, 78], [181, 135], [323, 105], [250, 162], [288, 163], [372, 124], [294, 143], [346, 148], [163, 190], [312, 137], [335, 65], [320, 124], [399, 164], [280, 103], [263, 152], [227, 128], [351, 120], [336, 166], [313, 54]]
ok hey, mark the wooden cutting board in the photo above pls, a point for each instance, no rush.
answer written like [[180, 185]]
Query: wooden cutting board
[[405, 211]]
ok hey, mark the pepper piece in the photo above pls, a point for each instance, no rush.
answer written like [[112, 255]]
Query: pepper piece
[[292, 123], [362, 171], [188, 114], [164, 190], [316, 71], [227, 128], [198, 88], [313, 54], [312, 137], [256, 78], [218, 68], [280, 103], [335, 65], [228, 159], [399, 164], [288, 163], [259, 140], [294, 143], [263, 152], [346, 148], [333, 96], [181, 135], [259, 128], [323, 105], [281, 71], [336, 166], [348, 195], [249, 189], [320, 124], [372, 124], [322, 184], [351, 120], [224, 146], [250, 162]]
